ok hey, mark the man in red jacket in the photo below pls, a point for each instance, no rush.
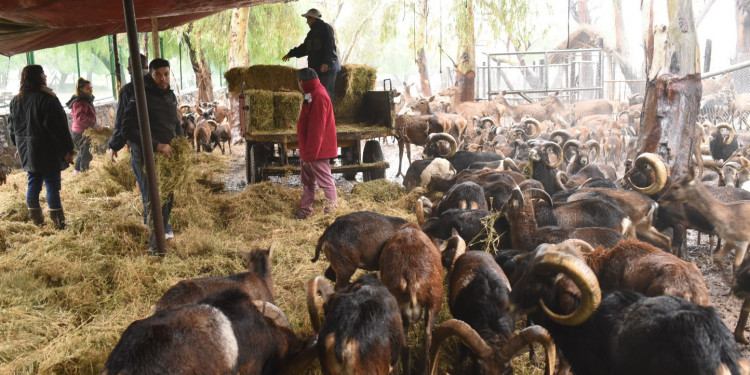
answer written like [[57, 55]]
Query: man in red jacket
[[316, 135]]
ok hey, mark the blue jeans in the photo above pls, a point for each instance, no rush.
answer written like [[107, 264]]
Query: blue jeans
[[51, 181], [136, 162]]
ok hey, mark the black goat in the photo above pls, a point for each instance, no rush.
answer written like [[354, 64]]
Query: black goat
[[624, 333]]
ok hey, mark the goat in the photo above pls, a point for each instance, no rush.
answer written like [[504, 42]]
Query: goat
[[423, 172], [466, 195], [579, 110], [362, 332], [410, 130], [543, 168], [549, 108], [525, 235], [741, 289], [469, 110], [355, 240], [226, 333], [730, 220], [410, 267], [625, 332], [256, 283], [478, 299], [737, 174], [581, 154], [451, 123], [722, 147], [222, 134], [203, 135]]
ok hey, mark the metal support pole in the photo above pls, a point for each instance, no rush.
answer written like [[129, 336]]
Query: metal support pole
[[78, 60], [148, 152], [118, 72], [112, 66]]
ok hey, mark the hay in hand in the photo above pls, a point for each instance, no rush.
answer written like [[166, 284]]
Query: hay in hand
[[98, 139], [352, 82], [261, 109], [175, 171], [262, 77], [286, 109], [121, 172]]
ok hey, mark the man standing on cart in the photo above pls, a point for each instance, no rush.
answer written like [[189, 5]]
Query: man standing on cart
[[320, 48]]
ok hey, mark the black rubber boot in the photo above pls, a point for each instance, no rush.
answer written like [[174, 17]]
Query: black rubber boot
[[58, 217], [36, 215]]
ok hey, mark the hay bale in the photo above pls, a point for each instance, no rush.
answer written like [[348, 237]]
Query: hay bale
[[352, 82], [175, 171], [98, 140], [262, 77], [261, 104], [380, 190], [286, 109]]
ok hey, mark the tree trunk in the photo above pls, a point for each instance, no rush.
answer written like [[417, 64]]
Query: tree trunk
[[466, 69], [238, 55], [741, 81], [362, 24], [621, 42], [200, 68], [673, 87], [420, 31]]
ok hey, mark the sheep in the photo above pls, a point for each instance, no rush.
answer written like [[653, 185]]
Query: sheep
[[226, 333], [478, 299], [362, 332], [625, 332], [581, 154], [581, 214], [423, 172], [722, 147], [737, 174], [411, 270], [466, 195], [355, 240], [256, 283], [3, 175], [525, 235], [543, 167], [730, 220]]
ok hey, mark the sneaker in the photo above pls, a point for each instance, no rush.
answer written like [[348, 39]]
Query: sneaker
[[169, 235], [76, 171]]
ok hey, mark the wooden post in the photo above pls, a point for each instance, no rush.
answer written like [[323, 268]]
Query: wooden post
[[673, 86], [155, 36]]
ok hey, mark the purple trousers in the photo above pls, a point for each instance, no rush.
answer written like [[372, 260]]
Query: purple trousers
[[314, 174]]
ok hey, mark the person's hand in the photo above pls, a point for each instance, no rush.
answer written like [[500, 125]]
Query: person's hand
[[164, 149], [285, 58], [112, 154], [69, 158], [323, 68]]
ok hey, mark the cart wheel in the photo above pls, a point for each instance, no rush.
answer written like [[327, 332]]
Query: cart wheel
[[348, 157], [372, 153], [256, 157]]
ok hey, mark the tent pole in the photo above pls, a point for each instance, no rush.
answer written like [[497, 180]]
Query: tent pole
[[140, 103]]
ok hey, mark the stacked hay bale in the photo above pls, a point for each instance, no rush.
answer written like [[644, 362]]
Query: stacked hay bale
[[274, 96]]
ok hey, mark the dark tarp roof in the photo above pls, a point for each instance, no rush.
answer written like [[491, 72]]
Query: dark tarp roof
[[30, 25]]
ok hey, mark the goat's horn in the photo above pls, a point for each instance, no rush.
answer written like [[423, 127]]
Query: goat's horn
[[559, 133], [584, 247], [531, 122], [487, 119], [213, 124], [185, 106], [317, 285], [732, 133], [660, 172], [510, 164], [625, 112], [732, 164], [552, 261], [538, 193], [593, 143], [561, 178], [272, 312], [526, 337], [464, 332], [573, 143], [419, 211], [436, 137], [558, 151]]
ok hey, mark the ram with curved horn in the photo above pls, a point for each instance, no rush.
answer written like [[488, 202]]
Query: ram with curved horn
[[443, 145], [581, 154], [722, 146], [544, 159], [362, 330], [624, 332], [478, 298], [528, 128], [563, 134], [651, 165]]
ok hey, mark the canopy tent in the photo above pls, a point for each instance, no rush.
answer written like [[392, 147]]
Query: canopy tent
[[30, 25]]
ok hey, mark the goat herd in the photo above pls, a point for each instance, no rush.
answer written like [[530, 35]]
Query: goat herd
[[595, 262], [206, 126]]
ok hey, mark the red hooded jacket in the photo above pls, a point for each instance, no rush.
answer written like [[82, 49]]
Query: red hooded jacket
[[316, 127]]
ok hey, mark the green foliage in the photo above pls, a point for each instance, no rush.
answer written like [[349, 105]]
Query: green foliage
[[272, 30], [514, 20]]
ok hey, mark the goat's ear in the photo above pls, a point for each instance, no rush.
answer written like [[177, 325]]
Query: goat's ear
[[432, 98], [745, 162], [271, 249]]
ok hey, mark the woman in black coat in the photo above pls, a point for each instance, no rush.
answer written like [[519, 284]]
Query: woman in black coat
[[39, 129]]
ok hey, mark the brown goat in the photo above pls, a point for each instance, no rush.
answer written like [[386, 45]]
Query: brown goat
[[222, 134], [411, 269], [256, 283], [451, 123], [579, 110], [469, 110], [549, 108], [731, 221], [410, 130]]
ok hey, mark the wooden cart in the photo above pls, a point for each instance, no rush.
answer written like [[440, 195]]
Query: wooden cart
[[269, 153]]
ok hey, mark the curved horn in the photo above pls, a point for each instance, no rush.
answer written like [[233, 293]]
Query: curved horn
[[625, 112], [510, 164], [419, 211], [660, 171], [487, 119], [553, 261], [561, 178], [583, 246], [436, 137], [559, 152], [526, 337], [464, 332], [213, 124], [317, 285], [273, 313], [185, 108], [732, 133], [531, 122], [564, 134], [538, 193], [593, 143], [571, 143]]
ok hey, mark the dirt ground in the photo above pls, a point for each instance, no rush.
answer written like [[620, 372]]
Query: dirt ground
[[717, 282]]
